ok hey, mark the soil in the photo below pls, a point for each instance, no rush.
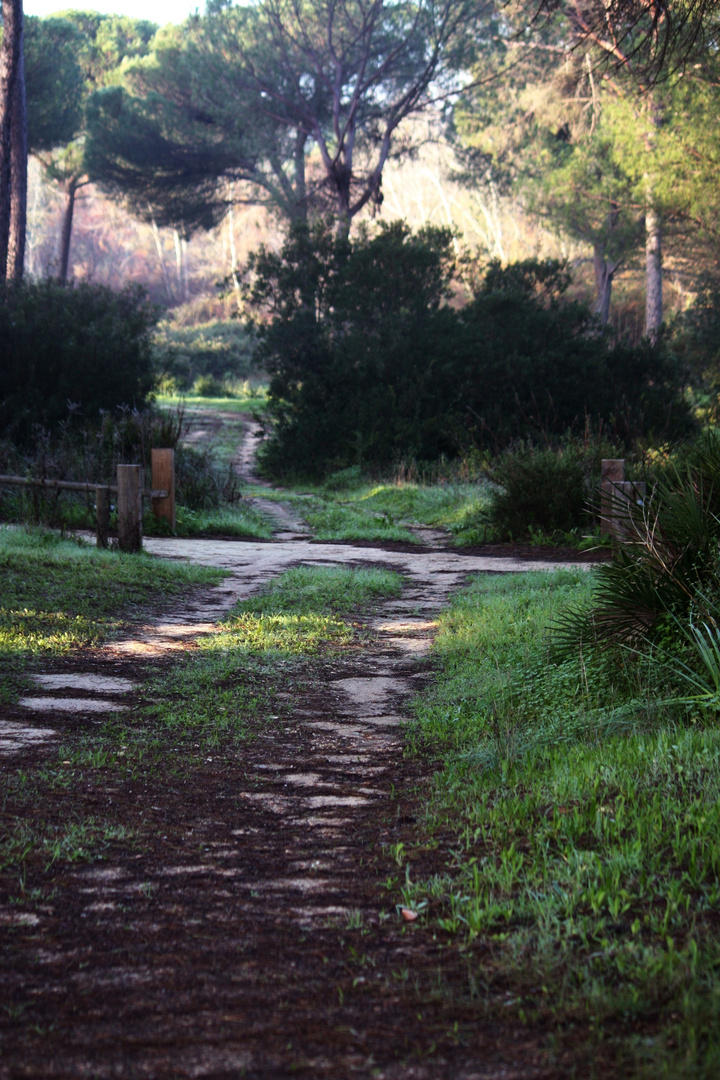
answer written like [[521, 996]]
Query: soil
[[251, 924]]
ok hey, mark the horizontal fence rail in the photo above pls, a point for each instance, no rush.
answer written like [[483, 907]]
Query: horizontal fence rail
[[130, 492], [72, 485]]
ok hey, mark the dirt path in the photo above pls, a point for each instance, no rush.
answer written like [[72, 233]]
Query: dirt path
[[252, 926], [289, 525]]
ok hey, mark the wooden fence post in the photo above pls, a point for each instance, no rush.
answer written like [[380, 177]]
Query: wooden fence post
[[130, 494], [102, 511], [612, 472], [163, 479]]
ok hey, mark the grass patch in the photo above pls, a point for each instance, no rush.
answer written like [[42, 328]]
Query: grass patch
[[224, 692], [245, 398], [349, 507], [240, 520], [581, 823], [230, 681], [57, 594]]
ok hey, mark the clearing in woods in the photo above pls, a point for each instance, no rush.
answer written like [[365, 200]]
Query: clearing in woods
[[241, 916]]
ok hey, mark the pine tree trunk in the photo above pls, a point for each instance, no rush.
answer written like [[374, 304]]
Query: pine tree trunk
[[653, 274], [604, 274], [185, 271], [233, 259], [66, 231], [301, 206], [161, 258], [178, 263], [18, 174], [9, 59]]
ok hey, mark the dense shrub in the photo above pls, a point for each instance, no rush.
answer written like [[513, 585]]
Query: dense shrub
[[538, 364], [539, 489], [352, 345], [82, 344], [369, 363], [548, 489]]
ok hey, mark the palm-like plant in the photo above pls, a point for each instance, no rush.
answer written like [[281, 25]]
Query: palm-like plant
[[666, 560]]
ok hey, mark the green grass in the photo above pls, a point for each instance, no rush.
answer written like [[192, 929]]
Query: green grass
[[579, 823], [246, 398], [241, 520], [349, 507], [57, 595], [232, 678]]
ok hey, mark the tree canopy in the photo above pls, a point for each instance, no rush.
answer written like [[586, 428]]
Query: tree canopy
[[303, 102]]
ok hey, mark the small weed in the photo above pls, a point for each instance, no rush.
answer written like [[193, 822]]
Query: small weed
[[354, 919]]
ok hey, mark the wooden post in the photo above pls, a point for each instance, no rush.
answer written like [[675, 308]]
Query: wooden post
[[130, 492], [102, 511], [612, 472], [163, 479]]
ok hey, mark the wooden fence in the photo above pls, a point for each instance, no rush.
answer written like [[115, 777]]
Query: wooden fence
[[616, 497], [130, 492]]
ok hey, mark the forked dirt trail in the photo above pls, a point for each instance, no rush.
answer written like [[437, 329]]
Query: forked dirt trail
[[251, 928]]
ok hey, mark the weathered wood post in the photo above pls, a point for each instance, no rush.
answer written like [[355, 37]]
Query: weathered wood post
[[130, 493], [612, 473], [102, 512], [163, 479]]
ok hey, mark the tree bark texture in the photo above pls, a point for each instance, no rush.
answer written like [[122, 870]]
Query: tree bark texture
[[161, 259], [653, 273], [18, 174], [9, 62], [67, 226]]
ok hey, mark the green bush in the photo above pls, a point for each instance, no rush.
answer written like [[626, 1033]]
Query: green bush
[[82, 344], [208, 386], [369, 363], [539, 489], [217, 350], [539, 364], [547, 489]]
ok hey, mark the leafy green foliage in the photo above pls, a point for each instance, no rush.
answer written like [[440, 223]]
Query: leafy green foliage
[[368, 362], [54, 82], [544, 489], [541, 489], [541, 366], [215, 350], [354, 337], [83, 344]]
